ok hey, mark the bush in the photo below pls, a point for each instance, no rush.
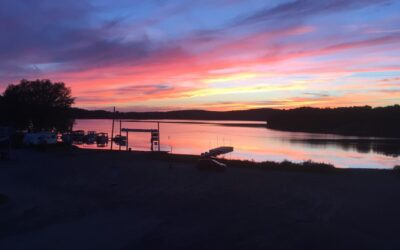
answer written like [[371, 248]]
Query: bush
[[307, 166]]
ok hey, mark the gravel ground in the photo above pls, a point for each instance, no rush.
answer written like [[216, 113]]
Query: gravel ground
[[83, 199]]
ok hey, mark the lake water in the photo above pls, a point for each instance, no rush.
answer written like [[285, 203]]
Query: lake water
[[255, 143]]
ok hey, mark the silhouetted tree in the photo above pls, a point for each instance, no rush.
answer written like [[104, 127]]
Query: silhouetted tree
[[39, 105]]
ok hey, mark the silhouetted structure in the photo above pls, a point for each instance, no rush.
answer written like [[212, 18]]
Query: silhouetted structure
[[154, 139]]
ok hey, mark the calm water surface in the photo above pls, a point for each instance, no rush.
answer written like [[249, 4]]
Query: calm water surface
[[256, 143]]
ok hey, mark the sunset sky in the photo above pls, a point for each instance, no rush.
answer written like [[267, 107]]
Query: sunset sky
[[206, 54]]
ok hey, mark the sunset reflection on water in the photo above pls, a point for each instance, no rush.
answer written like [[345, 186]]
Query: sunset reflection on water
[[254, 143]]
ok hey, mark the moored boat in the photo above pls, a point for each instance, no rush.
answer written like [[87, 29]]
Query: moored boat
[[120, 140], [90, 137], [102, 138], [78, 136]]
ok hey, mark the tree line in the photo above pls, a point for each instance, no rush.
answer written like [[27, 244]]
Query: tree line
[[361, 121], [44, 105]]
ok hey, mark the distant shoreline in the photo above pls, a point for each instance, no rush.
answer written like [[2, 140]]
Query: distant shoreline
[[350, 121]]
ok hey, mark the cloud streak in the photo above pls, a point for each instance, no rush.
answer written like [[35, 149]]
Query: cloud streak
[[296, 10]]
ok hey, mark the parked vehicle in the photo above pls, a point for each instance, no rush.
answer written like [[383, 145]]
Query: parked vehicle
[[40, 138]]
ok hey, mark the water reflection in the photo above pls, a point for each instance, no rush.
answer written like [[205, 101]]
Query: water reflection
[[386, 147], [101, 145], [256, 143]]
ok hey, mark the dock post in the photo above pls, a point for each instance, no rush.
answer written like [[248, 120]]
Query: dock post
[[112, 130], [120, 132], [127, 141], [159, 136]]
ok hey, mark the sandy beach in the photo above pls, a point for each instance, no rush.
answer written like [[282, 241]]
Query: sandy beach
[[87, 199]]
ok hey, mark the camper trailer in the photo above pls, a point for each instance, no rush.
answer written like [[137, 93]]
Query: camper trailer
[[40, 138]]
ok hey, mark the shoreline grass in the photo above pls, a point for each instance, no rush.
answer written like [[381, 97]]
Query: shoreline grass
[[285, 165]]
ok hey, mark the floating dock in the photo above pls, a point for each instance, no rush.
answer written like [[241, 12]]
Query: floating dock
[[217, 151]]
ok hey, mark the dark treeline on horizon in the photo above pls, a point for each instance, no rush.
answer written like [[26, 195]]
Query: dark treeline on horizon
[[44, 105], [240, 115], [361, 121]]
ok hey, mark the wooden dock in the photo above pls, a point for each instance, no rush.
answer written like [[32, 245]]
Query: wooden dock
[[154, 140]]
